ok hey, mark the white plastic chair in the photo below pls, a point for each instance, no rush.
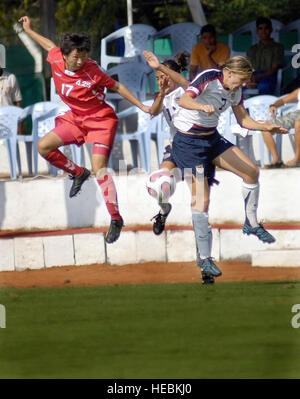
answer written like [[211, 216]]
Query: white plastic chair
[[39, 126], [258, 109], [183, 36], [162, 134], [135, 42], [137, 137], [156, 130], [283, 110], [43, 116], [292, 26], [9, 119], [2, 56], [54, 97], [133, 75]]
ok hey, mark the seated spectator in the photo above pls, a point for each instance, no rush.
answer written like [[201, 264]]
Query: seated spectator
[[288, 121], [208, 53], [10, 93], [267, 56]]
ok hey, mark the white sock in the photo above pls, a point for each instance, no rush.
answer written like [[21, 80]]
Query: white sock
[[251, 195], [202, 232], [164, 206]]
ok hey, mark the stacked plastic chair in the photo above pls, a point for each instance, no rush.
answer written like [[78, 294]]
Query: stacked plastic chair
[[135, 39], [9, 119], [258, 109], [183, 37]]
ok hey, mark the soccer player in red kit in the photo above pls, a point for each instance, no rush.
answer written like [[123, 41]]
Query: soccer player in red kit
[[80, 83]]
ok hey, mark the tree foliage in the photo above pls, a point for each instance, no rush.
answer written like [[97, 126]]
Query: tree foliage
[[101, 17], [229, 15]]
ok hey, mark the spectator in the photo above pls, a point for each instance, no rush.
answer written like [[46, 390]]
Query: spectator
[[288, 121], [267, 56], [10, 93], [208, 53]]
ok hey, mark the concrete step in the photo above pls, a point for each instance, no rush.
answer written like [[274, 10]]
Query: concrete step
[[273, 258]]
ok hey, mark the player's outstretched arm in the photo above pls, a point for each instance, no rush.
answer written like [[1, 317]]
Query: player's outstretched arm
[[47, 44], [157, 105], [245, 120], [154, 63], [126, 93], [289, 98]]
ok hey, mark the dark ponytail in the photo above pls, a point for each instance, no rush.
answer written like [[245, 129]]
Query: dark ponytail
[[180, 62]]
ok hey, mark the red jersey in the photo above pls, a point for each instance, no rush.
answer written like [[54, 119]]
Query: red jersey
[[81, 90]]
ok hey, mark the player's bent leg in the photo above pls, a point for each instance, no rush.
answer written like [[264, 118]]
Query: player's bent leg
[[202, 231], [48, 148], [160, 220], [161, 184], [234, 160], [203, 237], [109, 193]]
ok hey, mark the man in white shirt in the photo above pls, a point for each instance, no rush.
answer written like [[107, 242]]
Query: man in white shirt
[[288, 121], [10, 93]]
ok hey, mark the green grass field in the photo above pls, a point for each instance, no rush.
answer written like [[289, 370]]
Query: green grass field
[[229, 330]]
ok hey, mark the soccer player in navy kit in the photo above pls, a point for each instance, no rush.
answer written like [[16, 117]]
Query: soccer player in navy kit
[[197, 145], [80, 83], [166, 101]]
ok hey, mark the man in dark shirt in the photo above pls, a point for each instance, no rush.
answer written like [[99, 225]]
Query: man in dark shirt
[[267, 56]]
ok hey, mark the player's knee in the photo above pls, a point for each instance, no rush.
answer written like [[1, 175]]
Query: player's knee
[[255, 173], [252, 174], [100, 166], [100, 171], [42, 147], [200, 204]]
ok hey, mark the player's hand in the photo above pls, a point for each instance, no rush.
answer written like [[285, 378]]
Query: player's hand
[[163, 84], [207, 108], [272, 128], [26, 22], [151, 59], [272, 111], [146, 109]]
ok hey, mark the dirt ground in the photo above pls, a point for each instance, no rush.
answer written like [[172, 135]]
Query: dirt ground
[[140, 274]]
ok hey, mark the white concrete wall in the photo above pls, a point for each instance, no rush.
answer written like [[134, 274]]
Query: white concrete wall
[[44, 203], [23, 253]]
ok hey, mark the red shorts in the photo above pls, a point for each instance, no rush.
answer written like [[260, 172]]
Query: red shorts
[[89, 128]]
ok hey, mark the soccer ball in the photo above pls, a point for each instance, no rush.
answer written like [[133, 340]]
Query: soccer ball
[[161, 185]]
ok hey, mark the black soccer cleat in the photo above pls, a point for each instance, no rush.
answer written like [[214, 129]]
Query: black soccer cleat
[[207, 278], [114, 231], [78, 182], [160, 221]]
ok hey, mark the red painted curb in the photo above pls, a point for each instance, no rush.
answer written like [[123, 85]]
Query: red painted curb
[[43, 233]]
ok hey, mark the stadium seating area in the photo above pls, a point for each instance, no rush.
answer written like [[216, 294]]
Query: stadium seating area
[[121, 54]]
